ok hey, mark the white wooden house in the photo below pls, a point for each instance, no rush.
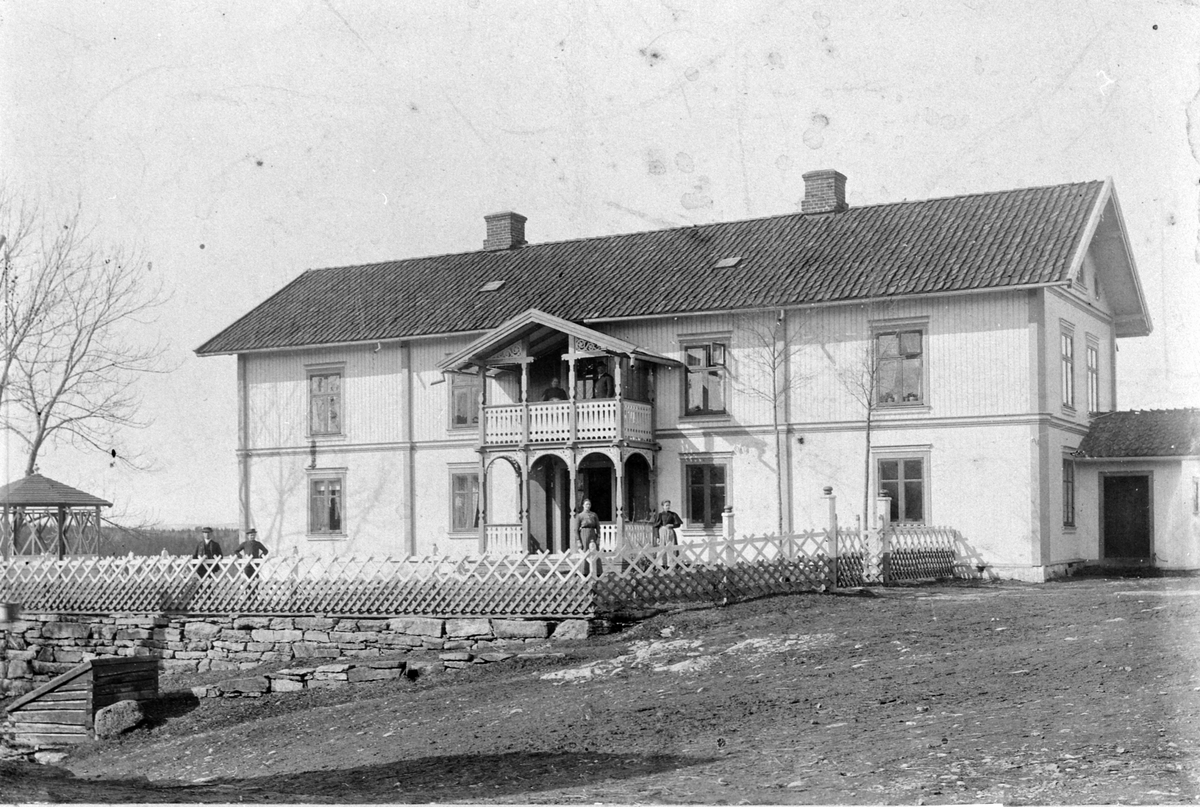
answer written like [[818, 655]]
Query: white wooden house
[[947, 352]]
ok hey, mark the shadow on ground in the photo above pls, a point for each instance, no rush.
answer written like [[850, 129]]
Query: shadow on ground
[[445, 778]]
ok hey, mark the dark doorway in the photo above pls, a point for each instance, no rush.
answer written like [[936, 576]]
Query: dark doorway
[[597, 486], [1126, 516]]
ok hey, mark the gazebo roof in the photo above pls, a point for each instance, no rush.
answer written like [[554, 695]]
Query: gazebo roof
[[36, 490]]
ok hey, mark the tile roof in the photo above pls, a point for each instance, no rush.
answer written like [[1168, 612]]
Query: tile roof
[[1144, 433], [961, 243], [36, 490]]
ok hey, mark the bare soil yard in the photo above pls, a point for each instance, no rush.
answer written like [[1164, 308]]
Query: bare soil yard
[[1082, 691]]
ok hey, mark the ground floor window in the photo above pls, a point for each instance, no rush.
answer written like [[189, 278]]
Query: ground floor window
[[705, 484], [326, 505], [464, 501], [903, 480], [1068, 482]]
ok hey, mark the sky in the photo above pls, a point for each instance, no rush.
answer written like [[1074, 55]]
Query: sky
[[237, 144]]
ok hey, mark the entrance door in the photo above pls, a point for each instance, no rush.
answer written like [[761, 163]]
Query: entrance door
[[1126, 516], [598, 488]]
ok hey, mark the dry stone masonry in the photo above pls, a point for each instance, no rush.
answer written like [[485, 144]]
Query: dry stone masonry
[[38, 647]]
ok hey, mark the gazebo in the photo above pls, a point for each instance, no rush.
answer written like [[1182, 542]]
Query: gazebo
[[40, 516]]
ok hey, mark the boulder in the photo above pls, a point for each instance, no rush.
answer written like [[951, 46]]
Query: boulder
[[572, 629], [64, 630], [201, 631], [286, 685], [255, 684], [418, 626], [117, 718]]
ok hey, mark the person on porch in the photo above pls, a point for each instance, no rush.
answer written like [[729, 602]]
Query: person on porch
[[604, 384], [665, 522], [587, 527], [554, 392]]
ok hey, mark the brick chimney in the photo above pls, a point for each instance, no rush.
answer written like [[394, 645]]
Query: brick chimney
[[824, 192], [504, 231]]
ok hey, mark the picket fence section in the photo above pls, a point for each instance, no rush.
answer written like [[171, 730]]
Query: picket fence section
[[573, 584]]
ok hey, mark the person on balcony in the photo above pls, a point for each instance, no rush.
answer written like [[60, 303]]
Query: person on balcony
[[554, 392], [604, 385], [587, 527], [254, 550]]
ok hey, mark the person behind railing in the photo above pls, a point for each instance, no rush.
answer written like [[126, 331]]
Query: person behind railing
[[208, 553], [586, 527], [554, 392], [604, 386], [664, 524], [252, 549]]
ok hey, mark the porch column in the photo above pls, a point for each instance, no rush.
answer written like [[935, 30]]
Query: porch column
[[482, 462], [525, 403], [525, 508], [620, 403], [620, 492], [572, 473], [574, 416], [62, 531]]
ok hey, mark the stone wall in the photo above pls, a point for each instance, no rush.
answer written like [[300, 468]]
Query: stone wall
[[38, 647]]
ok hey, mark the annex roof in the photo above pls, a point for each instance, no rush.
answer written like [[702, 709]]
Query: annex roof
[[1143, 433], [532, 325], [987, 241], [36, 490]]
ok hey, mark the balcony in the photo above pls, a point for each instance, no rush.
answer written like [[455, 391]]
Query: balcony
[[564, 422]]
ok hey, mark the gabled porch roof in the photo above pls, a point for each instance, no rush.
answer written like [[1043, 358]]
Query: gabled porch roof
[[536, 325]]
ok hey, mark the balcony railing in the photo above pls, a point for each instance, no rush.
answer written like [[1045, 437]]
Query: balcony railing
[[550, 422]]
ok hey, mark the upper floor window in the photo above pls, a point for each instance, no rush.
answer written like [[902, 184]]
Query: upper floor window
[[1067, 351], [705, 378], [464, 401], [325, 402], [1093, 376], [903, 480], [705, 491], [899, 365], [326, 515]]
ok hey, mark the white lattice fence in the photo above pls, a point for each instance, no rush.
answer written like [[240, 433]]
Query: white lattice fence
[[713, 571], [493, 585]]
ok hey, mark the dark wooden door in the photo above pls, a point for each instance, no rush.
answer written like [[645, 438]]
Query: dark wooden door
[[1126, 506]]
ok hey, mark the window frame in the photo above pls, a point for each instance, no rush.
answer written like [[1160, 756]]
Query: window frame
[[468, 385], [456, 473], [1066, 354], [1092, 360], [900, 455], [314, 477], [897, 328], [325, 370], [722, 371], [708, 461], [1069, 491]]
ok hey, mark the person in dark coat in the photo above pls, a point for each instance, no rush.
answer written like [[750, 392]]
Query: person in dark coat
[[554, 392], [587, 527], [665, 522], [208, 552], [252, 549]]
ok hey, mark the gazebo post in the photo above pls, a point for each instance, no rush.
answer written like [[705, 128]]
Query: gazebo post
[[60, 532]]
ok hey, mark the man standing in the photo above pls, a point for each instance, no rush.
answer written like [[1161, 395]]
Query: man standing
[[208, 553], [587, 527], [252, 549]]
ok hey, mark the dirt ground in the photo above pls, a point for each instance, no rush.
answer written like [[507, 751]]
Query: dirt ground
[[1081, 691]]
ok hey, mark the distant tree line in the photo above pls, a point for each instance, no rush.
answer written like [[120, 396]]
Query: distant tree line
[[119, 541]]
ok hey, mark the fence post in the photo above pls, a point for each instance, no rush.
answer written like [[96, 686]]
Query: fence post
[[831, 504], [880, 551], [727, 534]]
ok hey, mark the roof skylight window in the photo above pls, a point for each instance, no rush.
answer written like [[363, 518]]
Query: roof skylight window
[[728, 263], [492, 285]]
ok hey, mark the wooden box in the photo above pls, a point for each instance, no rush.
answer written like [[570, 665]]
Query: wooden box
[[60, 712]]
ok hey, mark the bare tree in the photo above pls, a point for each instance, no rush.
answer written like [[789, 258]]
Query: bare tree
[[771, 346], [71, 311], [859, 376]]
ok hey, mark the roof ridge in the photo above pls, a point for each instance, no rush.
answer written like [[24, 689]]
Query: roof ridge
[[684, 227]]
